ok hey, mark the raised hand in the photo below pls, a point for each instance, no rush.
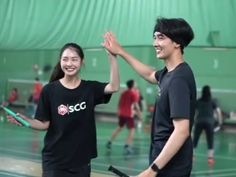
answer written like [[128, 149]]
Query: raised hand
[[111, 44]]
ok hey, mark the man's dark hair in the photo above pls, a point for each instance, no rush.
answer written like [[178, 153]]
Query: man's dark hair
[[130, 84], [177, 29]]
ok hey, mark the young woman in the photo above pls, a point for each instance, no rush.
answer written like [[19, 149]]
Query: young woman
[[204, 120], [66, 111]]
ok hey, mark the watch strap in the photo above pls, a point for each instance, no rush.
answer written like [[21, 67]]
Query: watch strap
[[155, 168]]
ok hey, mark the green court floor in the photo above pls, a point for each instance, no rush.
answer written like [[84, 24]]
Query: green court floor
[[20, 153]]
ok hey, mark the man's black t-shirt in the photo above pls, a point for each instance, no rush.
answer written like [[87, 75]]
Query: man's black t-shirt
[[70, 141], [177, 99]]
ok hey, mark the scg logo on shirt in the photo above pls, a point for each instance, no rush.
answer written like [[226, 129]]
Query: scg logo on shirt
[[62, 109]]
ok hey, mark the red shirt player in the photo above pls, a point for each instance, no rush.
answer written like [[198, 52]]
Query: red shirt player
[[12, 97], [128, 107], [38, 86]]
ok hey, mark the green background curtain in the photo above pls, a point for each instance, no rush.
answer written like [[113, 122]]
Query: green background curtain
[[48, 24], [33, 31]]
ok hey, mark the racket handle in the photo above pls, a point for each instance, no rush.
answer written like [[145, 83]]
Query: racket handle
[[22, 121], [16, 117], [117, 172]]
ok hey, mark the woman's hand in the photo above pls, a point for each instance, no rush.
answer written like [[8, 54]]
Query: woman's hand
[[13, 121]]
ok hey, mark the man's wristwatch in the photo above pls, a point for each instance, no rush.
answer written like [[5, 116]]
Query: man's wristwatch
[[155, 168]]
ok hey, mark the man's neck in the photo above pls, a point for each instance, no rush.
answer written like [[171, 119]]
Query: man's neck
[[173, 61]]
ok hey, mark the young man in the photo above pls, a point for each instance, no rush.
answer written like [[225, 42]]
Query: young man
[[127, 108], [171, 145]]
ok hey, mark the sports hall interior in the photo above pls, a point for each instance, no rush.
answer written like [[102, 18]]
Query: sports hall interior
[[32, 33]]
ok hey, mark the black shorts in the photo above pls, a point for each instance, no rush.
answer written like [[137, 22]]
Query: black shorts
[[82, 172]]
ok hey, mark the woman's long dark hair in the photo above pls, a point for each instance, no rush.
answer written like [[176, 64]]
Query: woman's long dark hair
[[57, 72], [206, 93]]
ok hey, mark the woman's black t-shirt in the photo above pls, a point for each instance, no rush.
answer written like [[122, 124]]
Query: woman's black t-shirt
[[70, 141]]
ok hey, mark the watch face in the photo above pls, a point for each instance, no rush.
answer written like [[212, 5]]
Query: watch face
[[155, 167]]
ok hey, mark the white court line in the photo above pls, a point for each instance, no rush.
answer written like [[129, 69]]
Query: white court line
[[120, 167], [11, 174], [101, 157], [21, 152], [215, 171], [220, 90], [141, 146], [138, 170], [216, 156], [7, 129], [98, 158], [220, 175], [20, 166], [101, 172]]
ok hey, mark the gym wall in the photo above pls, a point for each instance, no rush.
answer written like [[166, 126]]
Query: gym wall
[[211, 66], [32, 32]]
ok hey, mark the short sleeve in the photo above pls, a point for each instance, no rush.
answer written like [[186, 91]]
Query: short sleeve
[[100, 96], [179, 99], [136, 96], [43, 112], [157, 74]]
